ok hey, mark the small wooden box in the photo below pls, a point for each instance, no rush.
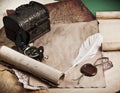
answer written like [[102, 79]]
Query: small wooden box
[[29, 21]]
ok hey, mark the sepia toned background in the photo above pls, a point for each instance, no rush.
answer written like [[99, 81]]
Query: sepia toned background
[[112, 76]]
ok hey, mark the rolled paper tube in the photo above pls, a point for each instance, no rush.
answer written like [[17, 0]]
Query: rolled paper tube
[[111, 46], [30, 65], [108, 15]]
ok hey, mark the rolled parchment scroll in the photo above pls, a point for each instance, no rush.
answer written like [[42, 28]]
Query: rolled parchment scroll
[[108, 15], [109, 27], [110, 46], [30, 65]]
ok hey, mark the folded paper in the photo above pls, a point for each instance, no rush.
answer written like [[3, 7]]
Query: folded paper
[[62, 45]]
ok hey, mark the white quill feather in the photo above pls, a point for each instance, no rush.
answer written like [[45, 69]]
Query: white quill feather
[[88, 49]]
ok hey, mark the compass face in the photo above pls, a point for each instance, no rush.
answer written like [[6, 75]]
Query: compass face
[[32, 52]]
